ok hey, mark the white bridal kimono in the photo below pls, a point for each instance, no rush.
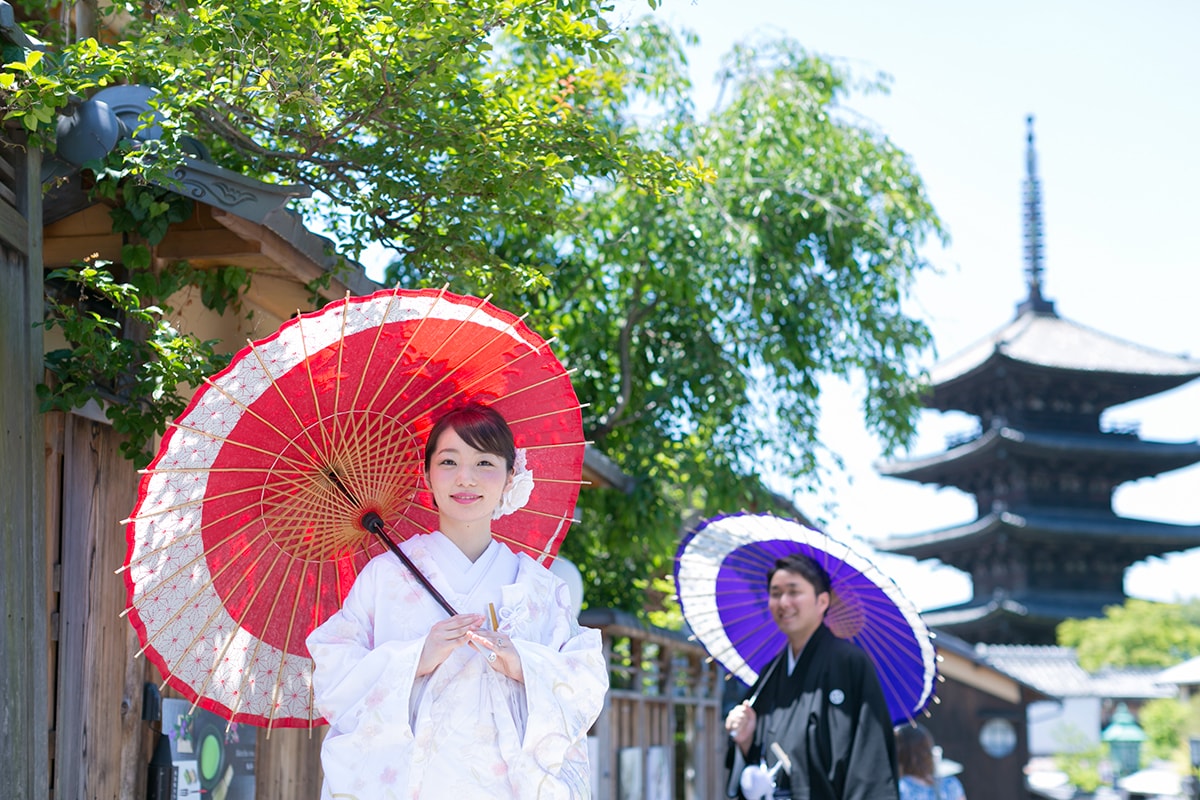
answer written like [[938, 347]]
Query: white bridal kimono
[[463, 731]]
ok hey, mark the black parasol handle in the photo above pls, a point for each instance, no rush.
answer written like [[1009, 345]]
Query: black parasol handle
[[374, 523]]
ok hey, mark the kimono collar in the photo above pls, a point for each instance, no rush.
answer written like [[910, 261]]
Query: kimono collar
[[809, 646], [458, 571]]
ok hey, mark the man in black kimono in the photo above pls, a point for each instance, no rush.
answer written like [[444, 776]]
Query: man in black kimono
[[819, 701]]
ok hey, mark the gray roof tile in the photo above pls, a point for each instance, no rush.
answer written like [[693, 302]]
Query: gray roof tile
[[1056, 671], [1051, 341]]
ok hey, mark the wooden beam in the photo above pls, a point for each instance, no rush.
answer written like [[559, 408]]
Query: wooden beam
[[983, 678], [62, 251], [14, 230], [282, 252], [191, 245]]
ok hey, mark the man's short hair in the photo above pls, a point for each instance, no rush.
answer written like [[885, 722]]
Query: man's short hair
[[806, 567]]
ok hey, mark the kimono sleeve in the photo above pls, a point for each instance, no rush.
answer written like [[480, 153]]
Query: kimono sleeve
[[354, 674], [566, 679], [871, 772]]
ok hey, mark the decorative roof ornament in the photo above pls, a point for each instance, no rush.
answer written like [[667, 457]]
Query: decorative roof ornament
[[1033, 232]]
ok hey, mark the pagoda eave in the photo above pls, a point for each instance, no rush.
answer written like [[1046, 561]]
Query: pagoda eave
[[1144, 537], [1018, 617], [1130, 456], [965, 392], [1038, 343]]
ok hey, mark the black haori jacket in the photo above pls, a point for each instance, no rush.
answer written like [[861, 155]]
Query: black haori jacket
[[831, 719]]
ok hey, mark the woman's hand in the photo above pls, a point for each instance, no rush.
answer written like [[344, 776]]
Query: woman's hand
[[740, 723], [444, 638], [498, 649]]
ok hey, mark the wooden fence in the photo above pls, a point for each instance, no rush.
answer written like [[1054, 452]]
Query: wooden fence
[[661, 734], [100, 747]]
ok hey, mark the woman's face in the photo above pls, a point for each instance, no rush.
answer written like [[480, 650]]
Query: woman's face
[[467, 484]]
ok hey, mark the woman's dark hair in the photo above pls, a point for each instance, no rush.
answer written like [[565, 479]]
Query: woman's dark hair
[[478, 425], [804, 566], [914, 751]]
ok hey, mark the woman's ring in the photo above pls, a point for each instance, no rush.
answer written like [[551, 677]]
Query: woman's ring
[[491, 657]]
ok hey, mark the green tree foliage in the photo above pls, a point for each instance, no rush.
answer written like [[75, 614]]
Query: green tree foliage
[[422, 124], [120, 353], [121, 350], [1169, 723], [1164, 720], [702, 275], [1080, 760], [700, 323], [1138, 633]]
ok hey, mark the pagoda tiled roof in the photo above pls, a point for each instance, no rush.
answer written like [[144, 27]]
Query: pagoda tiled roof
[[1046, 340], [1047, 524], [1036, 608], [1145, 458]]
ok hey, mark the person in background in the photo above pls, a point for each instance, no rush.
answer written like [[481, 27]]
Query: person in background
[[919, 778], [494, 701], [816, 723]]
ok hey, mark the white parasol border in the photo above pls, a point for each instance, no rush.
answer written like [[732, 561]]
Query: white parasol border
[[702, 564]]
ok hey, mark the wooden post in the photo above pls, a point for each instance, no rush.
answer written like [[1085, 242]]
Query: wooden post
[[606, 738], [100, 747], [288, 762], [24, 740]]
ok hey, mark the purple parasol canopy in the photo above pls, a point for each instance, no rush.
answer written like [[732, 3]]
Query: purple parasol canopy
[[721, 582]]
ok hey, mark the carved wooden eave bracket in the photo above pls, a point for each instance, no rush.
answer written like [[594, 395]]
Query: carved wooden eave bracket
[[256, 212]]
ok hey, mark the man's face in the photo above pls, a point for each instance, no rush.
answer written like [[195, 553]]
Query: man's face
[[796, 606]]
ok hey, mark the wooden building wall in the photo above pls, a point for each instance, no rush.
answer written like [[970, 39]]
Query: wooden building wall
[[23, 685], [956, 720], [99, 739], [94, 741], [101, 747]]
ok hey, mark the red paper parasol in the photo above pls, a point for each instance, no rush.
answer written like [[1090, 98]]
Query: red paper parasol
[[249, 527]]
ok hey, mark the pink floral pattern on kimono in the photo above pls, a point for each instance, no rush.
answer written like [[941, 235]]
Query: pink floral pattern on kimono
[[464, 730]]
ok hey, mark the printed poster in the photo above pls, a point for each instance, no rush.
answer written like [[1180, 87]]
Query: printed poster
[[212, 759]]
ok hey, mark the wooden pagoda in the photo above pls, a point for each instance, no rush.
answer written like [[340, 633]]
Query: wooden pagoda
[[1046, 544]]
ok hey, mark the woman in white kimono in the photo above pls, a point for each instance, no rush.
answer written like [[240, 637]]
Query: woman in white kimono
[[426, 705]]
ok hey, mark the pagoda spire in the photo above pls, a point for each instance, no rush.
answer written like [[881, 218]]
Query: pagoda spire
[[1033, 231]]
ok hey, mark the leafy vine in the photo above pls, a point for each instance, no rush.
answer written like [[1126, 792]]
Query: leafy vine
[[122, 352]]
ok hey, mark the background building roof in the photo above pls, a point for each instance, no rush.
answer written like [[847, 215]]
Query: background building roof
[[1185, 674], [1056, 671]]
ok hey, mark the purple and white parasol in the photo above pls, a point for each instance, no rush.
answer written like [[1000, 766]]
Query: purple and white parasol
[[721, 582]]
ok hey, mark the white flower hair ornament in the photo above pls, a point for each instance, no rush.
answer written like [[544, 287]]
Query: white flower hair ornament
[[518, 492]]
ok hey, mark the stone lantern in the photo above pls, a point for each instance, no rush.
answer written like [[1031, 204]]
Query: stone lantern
[[1124, 737]]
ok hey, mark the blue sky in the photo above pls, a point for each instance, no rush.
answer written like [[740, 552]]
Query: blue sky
[[1115, 89]]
